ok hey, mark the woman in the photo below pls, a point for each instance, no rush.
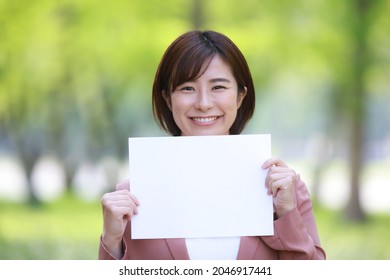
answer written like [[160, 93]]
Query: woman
[[203, 86]]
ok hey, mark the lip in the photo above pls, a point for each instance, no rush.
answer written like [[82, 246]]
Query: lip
[[205, 120]]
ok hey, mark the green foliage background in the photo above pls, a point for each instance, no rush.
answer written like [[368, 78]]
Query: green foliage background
[[76, 77]]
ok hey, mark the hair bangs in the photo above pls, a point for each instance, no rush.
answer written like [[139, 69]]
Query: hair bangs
[[191, 65]]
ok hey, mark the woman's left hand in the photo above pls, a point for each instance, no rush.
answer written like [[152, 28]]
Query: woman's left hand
[[280, 182]]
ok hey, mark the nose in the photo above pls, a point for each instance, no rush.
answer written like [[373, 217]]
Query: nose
[[204, 100]]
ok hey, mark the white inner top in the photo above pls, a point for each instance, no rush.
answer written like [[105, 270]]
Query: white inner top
[[218, 248]]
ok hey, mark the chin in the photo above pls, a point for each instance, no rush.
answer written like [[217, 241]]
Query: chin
[[209, 133]]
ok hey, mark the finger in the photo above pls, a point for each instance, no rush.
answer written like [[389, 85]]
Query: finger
[[126, 212], [272, 177], [112, 206], [135, 199], [281, 184], [277, 169], [115, 197], [112, 200], [276, 182], [274, 161], [277, 172], [125, 185], [122, 194], [120, 206]]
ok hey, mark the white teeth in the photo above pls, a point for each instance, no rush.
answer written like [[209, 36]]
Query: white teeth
[[205, 120]]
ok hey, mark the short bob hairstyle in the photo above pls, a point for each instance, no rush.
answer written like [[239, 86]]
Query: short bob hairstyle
[[183, 61]]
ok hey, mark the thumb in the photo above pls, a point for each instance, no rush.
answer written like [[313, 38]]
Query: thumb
[[274, 161]]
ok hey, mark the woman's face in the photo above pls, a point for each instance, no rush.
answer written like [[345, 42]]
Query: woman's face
[[208, 105]]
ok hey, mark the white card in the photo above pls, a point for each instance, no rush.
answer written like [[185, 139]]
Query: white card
[[200, 186]]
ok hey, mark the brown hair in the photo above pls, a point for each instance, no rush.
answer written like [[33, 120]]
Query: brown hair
[[183, 61]]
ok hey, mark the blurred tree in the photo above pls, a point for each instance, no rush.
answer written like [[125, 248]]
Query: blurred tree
[[76, 76], [353, 60], [21, 111], [197, 14], [357, 101], [324, 45]]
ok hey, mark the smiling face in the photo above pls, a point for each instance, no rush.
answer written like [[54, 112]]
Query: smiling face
[[203, 62], [209, 104]]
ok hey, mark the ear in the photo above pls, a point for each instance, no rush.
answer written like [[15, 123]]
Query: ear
[[240, 97], [167, 98]]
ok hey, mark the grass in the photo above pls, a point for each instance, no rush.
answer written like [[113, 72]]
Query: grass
[[343, 240], [65, 229], [70, 228]]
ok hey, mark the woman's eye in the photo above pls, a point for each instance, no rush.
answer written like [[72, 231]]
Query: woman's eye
[[219, 87], [187, 88]]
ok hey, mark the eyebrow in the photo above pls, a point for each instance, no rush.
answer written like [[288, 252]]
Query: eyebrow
[[216, 80]]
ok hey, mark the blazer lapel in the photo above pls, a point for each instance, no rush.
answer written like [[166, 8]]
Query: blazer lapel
[[178, 248], [248, 246]]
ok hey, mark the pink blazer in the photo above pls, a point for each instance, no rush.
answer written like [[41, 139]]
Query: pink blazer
[[295, 237]]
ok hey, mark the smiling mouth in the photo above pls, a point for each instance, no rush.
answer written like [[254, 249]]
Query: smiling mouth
[[205, 120]]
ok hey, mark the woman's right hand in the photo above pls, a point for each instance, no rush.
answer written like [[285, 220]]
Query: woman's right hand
[[118, 208]]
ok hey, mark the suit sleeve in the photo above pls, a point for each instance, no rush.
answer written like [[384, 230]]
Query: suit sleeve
[[295, 233], [104, 254]]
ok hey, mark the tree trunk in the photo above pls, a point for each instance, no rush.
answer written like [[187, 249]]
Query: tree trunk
[[29, 153], [354, 211], [197, 14]]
